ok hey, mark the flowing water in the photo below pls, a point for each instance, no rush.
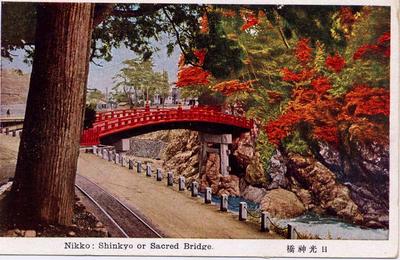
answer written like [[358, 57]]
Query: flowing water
[[325, 227], [333, 228]]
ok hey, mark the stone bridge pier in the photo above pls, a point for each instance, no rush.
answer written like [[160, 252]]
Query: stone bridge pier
[[221, 141]]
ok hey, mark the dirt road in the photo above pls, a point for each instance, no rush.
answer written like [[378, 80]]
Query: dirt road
[[175, 213]]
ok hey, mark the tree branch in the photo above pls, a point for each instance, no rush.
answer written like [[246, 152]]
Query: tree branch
[[177, 35], [101, 11], [142, 11]]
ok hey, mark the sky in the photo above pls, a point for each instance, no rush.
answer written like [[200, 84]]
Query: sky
[[102, 77]]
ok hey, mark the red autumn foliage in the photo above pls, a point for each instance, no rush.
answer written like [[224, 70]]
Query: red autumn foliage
[[329, 134], [281, 127], [346, 16], [366, 101], [229, 13], [323, 113], [382, 46], [250, 20], [321, 84], [227, 88], [274, 96], [201, 56], [303, 51], [204, 24], [192, 76], [290, 76], [384, 38], [335, 63], [365, 49]]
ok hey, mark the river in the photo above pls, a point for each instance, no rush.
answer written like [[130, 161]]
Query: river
[[325, 227]]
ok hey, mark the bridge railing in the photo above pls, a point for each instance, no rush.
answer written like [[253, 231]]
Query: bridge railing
[[114, 121], [102, 116], [172, 115], [90, 137]]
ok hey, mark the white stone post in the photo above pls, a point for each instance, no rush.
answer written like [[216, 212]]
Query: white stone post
[[181, 183], [207, 196], [94, 149], [148, 170], [130, 164], [159, 175], [110, 155], [139, 167], [170, 179], [122, 160], [243, 211], [224, 203], [116, 158], [292, 234], [195, 189], [265, 222]]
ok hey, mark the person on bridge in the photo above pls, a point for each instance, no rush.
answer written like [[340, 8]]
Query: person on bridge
[[8, 112]]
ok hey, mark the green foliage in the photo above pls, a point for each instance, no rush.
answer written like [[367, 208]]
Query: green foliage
[[17, 27], [266, 150], [90, 116], [294, 143], [138, 79], [94, 96], [372, 71]]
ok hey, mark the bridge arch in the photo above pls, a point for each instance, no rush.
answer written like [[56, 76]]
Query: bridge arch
[[114, 125]]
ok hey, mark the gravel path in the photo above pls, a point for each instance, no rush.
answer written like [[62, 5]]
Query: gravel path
[[175, 214]]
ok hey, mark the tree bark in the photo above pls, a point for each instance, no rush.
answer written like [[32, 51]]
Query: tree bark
[[43, 189]]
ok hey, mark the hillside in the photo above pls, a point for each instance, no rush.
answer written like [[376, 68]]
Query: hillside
[[14, 87]]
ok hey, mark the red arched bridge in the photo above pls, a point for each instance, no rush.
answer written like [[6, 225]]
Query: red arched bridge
[[114, 125]]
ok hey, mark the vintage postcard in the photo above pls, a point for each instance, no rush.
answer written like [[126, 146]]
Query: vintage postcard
[[236, 129]]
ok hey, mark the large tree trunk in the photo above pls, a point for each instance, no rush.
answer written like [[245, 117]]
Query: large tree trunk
[[43, 189]]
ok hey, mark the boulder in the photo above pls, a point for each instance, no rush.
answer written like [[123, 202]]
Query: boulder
[[255, 174], [277, 172], [253, 193], [244, 150], [229, 185], [331, 196], [366, 169], [212, 175], [280, 203]]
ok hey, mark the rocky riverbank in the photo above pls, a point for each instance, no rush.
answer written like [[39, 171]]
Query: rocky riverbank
[[330, 183]]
